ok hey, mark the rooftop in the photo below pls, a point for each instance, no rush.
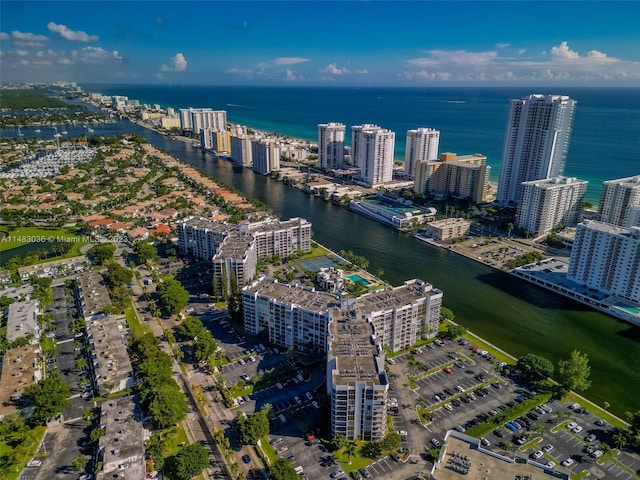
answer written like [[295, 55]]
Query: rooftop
[[20, 369]]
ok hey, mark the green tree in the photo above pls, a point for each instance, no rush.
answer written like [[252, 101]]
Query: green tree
[[117, 276], [633, 418], [102, 253], [172, 296], [339, 441], [620, 439], [454, 331], [447, 313], [282, 469], [350, 449], [190, 328], [189, 462], [50, 397], [391, 442], [205, 346], [80, 463], [166, 405], [535, 367], [574, 373], [96, 433], [154, 450], [145, 251], [252, 428]]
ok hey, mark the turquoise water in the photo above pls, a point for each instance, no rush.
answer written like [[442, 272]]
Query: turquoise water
[[606, 128], [357, 278]]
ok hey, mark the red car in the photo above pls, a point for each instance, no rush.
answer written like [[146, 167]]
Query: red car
[[448, 370]]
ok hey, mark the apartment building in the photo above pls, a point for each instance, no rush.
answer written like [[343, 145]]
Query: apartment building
[[536, 142], [547, 204], [235, 263], [280, 237], [21, 368], [22, 321], [448, 229], [422, 144], [464, 176], [196, 119], [200, 238], [617, 201], [241, 150], [121, 448], [607, 258], [265, 155], [331, 145], [91, 295], [372, 150]]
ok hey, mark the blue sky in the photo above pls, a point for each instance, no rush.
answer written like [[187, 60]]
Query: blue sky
[[337, 43]]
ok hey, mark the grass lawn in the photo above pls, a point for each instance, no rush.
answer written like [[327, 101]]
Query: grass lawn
[[595, 409], [357, 461], [12, 471], [22, 236], [174, 438], [137, 328], [268, 450], [316, 251]]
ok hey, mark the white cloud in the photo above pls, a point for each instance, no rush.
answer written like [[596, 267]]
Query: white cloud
[[362, 71], [95, 55], [4, 36], [333, 69], [28, 37], [503, 45], [563, 51], [68, 34], [522, 51], [290, 60], [178, 64]]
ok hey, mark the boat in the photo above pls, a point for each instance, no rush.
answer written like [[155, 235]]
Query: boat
[[64, 132], [20, 134], [37, 130], [90, 130]]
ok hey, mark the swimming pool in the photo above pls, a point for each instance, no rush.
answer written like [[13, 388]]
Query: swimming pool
[[357, 278]]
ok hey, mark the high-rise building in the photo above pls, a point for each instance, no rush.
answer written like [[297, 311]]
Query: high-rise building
[[547, 204], [536, 142], [241, 150], [331, 145], [422, 144], [195, 119], [221, 141], [464, 176], [372, 149], [617, 199], [266, 156], [206, 138], [607, 258]]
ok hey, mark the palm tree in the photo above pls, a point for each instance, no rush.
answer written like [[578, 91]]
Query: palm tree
[[350, 449], [267, 408], [510, 228], [81, 364]]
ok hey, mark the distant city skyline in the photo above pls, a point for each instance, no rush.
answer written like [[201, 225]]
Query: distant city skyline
[[341, 43]]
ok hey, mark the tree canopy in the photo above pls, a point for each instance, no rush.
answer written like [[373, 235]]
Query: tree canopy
[[145, 251], [453, 331], [102, 253], [50, 397], [189, 462], [117, 275], [252, 428], [172, 296], [282, 469], [535, 367], [574, 373]]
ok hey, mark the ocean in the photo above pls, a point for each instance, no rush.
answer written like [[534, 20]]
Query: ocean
[[605, 142]]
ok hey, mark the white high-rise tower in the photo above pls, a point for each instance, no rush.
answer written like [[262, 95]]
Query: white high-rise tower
[[372, 149], [536, 142], [618, 199], [422, 144], [331, 144]]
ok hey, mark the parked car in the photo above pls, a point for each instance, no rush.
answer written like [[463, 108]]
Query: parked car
[[547, 448]]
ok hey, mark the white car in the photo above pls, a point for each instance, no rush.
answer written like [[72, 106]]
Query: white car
[[547, 448], [337, 473], [567, 462], [574, 406], [550, 464], [536, 455], [576, 429], [597, 454], [34, 463], [448, 406], [572, 425]]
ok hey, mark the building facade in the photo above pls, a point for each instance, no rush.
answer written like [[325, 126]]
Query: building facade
[[548, 204], [607, 258], [241, 150], [331, 145], [448, 229], [536, 142], [196, 119], [464, 176], [422, 144], [266, 156], [617, 200], [372, 150]]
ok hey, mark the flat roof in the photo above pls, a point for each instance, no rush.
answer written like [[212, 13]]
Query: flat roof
[[20, 369], [354, 350], [291, 294], [395, 297]]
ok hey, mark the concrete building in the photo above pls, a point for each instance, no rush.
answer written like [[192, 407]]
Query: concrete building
[[357, 382], [91, 295], [21, 368], [221, 141], [331, 145], [548, 204], [607, 258], [235, 263], [196, 119], [464, 176], [280, 237], [266, 156], [422, 144], [22, 321], [617, 199], [206, 138], [110, 362], [330, 279], [536, 142], [372, 150], [448, 229], [121, 448], [241, 150], [200, 238]]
